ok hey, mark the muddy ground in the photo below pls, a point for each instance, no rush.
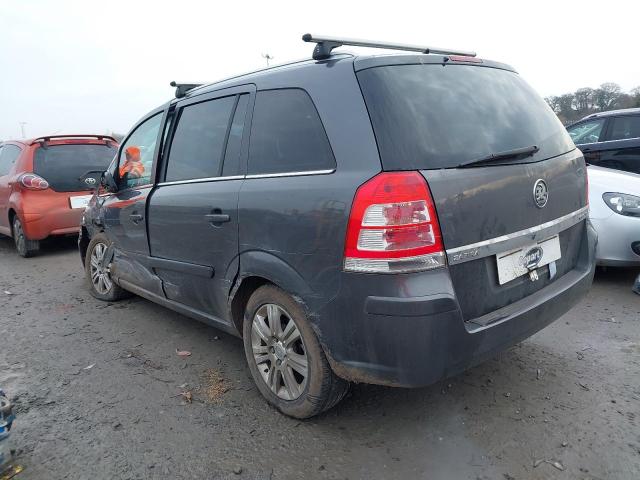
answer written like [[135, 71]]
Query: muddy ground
[[101, 394]]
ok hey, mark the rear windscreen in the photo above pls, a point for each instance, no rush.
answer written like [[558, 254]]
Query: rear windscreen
[[435, 116], [67, 167]]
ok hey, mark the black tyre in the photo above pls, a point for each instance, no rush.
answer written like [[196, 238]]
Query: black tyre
[[285, 358], [26, 248], [98, 271]]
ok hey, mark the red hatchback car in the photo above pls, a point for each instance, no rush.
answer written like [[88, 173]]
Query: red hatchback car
[[45, 184]]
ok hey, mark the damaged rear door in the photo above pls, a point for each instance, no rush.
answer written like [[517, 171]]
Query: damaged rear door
[[193, 211]]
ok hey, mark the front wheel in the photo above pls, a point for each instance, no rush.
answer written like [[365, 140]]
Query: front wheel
[[284, 355], [98, 271], [26, 248]]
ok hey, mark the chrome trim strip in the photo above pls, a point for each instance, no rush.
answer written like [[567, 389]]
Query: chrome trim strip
[[239, 177], [199, 180], [514, 240], [291, 174]]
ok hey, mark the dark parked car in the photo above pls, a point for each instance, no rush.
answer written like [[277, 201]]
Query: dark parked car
[[610, 139], [383, 219]]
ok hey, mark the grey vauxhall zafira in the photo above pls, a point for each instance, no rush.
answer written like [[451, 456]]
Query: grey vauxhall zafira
[[382, 219]]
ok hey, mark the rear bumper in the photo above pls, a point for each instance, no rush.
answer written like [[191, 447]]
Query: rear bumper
[[416, 341], [49, 216], [40, 226]]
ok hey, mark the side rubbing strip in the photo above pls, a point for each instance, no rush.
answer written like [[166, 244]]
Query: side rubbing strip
[[514, 240], [203, 271]]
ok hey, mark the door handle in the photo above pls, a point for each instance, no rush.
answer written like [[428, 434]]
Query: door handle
[[136, 217], [217, 217]]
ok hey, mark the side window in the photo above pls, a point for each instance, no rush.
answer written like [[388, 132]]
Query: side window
[[198, 140], [234, 144], [287, 134], [623, 128], [8, 156], [587, 132], [136, 155]]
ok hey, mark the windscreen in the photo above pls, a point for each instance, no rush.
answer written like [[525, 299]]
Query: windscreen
[[67, 167], [434, 116]]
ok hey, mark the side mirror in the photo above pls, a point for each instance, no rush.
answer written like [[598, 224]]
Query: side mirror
[[108, 182]]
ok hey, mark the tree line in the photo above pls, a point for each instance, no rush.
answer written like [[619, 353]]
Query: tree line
[[571, 107]]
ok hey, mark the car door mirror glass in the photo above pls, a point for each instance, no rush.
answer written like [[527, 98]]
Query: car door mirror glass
[[108, 182]]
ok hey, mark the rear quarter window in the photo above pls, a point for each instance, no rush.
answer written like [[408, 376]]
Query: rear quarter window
[[434, 116], [287, 134]]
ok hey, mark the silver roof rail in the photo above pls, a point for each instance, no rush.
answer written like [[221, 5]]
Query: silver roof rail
[[325, 44], [183, 88]]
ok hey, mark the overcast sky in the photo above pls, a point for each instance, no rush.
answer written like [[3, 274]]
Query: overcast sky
[[97, 66]]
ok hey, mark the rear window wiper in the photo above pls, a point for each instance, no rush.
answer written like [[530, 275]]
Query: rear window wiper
[[515, 154]]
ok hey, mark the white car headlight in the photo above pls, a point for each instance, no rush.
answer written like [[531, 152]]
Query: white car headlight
[[623, 203]]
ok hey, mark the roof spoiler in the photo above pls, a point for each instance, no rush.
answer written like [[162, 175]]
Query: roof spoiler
[[325, 44], [183, 88], [106, 138]]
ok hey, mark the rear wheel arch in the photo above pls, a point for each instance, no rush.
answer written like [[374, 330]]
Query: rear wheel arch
[[240, 297], [258, 268]]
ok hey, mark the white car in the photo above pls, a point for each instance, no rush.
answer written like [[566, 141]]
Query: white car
[[614, 210]]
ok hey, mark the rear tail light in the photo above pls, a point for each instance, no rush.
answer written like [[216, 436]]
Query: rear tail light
[[32, 181], [393, 227]]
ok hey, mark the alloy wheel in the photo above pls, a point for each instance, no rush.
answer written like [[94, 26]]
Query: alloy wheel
[[100, 273], [279, 351]]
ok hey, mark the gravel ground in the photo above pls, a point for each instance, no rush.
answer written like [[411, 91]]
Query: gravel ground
[[100, 392]]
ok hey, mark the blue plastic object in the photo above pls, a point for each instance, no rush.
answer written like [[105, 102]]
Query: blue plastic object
[[6, 420]]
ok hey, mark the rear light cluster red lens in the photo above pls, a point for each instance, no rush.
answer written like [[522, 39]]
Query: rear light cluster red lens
[[33, 181], [393, 227]]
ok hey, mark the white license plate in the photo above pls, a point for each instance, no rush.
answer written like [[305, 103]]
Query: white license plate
[[515, 263], [80, 202]]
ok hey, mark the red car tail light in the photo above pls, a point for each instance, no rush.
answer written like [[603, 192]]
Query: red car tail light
[[393, 227], [32, 181]]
